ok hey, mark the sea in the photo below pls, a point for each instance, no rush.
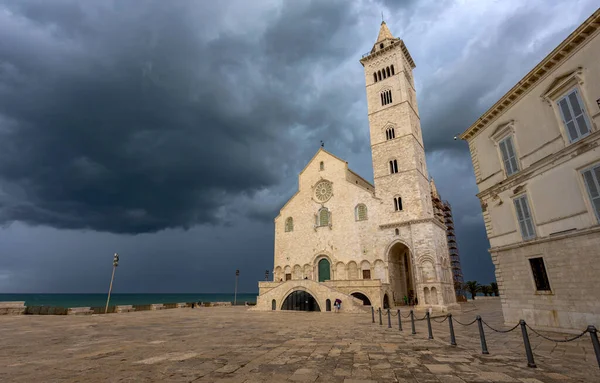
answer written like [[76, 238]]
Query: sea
[[95, 300]]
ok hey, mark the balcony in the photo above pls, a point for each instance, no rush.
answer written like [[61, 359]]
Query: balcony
[[451, 238], [453, 251]]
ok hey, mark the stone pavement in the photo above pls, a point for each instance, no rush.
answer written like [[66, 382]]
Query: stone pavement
[[232, 344]]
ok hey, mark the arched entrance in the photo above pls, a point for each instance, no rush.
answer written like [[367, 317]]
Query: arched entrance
[[300, 300], [386, 301], [401, 276], [324, 270], [362, 297]]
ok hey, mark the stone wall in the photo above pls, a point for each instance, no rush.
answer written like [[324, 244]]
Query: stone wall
[[12, 308], [572, 267], [319, 291]]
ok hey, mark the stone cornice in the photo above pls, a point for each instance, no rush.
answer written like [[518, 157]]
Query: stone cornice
[[548, 162], [576, 233], [412, 222], [371, 55], [583, 34]]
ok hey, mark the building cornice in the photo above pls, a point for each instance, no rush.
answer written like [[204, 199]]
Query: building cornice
[[550, 161], [574, 233], [412, 222], [577, 39], [371, 55]]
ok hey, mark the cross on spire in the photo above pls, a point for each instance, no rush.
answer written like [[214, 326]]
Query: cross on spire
[[322, 144]]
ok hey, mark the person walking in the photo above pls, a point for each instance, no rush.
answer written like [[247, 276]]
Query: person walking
[[337, 304]]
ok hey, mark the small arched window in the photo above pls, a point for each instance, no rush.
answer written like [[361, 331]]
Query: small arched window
[[390, 134], [322, 166], [393, 166], [289, 224], [375, 77], [397, 203], [323, 217], [392, 68], [379, 75], [381, 46], [388, 71], [397, 232], [383, 73], [360, 212]]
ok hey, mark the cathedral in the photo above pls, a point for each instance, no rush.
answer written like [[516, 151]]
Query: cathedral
[[341, 237]]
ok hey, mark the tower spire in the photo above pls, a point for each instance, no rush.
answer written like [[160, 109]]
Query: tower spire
[[384, 32]]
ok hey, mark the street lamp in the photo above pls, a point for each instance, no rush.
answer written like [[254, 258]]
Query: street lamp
[[237, 274], [266, 275], [115, 264]]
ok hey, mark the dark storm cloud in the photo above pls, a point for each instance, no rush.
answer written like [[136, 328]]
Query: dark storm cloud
[[130, 120]]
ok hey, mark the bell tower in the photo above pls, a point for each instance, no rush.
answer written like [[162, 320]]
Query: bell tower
[[399, 169]]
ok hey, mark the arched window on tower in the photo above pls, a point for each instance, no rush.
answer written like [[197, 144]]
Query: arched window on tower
[[381, 46], [375, 77], [397, 203], [388, 71], [360, 212], [390, 134], [392, 68], [382, 100], [393, 166], [289, 224], [323, 217], [389, 92], [379, 75]]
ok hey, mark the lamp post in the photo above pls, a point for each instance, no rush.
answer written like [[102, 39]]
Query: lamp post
[[237, 274], [266, 275], [115, 264]]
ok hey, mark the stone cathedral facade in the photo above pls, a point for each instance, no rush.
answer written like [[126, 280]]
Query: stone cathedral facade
[[340, 237]]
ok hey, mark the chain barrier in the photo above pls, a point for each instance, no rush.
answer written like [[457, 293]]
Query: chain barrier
[[501, 331], [558, 340], [480, 322], [463, 324]]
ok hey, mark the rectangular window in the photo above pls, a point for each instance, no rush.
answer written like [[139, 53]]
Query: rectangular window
[[592, 183], [288, 277], [539, 274], [524, 217], [366, 274], [509, 156], [574, 116]]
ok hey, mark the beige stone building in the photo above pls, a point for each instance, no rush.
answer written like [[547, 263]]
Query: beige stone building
[[340, 237], [537, 165]]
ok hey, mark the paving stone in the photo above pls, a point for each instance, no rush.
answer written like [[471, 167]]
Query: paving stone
[[233, 344]]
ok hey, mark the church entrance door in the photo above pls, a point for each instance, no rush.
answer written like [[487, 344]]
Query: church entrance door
[[324, 270], [401, 276], [300, 300]]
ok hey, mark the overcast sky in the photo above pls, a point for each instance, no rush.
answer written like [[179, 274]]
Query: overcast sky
[[172, 132]]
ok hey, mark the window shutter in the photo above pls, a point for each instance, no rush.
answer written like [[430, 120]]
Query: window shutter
[[524, 217], [512, 156], [578, 112], [504, 153], [592, 178], [565, 113]]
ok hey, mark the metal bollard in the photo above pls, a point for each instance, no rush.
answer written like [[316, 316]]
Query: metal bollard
[[429, 325], [389, 319], [594, 335], [412, 321], [380, 322], [484, 349], [373, 313], [452, 337], [399, 321], [528, 352]]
